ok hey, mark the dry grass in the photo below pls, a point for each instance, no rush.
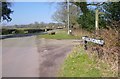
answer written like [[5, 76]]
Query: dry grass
[[80, 33], [109, 52], [111, 48]]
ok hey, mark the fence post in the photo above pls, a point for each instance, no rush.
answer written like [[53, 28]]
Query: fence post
[[85, 45]]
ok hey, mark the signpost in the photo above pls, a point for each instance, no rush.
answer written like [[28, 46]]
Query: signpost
[[96, 41], [87, 39], [97, 20]]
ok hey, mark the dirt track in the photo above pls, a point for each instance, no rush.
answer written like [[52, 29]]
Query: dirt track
[[31, 57], [52, 54]]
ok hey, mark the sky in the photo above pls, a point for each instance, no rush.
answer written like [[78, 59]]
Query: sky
[[61, 0], [30, 12]]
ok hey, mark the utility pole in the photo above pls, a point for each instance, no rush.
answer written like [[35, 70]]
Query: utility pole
[[68, 15]]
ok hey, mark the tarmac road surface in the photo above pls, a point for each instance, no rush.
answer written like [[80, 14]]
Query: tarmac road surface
[[33, 57], [20, 57]]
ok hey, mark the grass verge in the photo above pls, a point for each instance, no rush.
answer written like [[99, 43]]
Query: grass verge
[[80, 64], [59, 35]]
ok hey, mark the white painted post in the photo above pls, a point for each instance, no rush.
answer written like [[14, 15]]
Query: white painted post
[[96, 19], [96, 22]]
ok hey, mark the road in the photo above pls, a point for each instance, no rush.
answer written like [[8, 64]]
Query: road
[[52, 55], [33, 57], [20, 57]]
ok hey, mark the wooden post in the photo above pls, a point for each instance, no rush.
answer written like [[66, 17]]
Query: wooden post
[[85, 45], [68, 16], [96, 22], [45, 29]]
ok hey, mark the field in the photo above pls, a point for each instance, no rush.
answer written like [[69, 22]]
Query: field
[[59, 35]]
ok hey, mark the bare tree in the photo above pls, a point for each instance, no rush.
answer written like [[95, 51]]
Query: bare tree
[[61, 14]]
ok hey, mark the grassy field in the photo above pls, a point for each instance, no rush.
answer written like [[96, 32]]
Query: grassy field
[[59, 35], [80, 64]]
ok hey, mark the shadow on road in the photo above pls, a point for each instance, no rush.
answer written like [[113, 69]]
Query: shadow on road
[[20, 35]]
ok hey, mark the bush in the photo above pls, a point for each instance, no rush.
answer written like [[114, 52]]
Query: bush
[[111, 37], [34, 30], [110, 51], [87, 21], [51, 33], [5, 31], [19, 31]]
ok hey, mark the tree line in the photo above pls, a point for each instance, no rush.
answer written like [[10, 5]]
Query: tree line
[[36, 25], [82, 14]]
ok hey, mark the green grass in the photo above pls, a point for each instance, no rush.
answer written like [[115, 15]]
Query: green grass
[[59, 35], [80, 64]]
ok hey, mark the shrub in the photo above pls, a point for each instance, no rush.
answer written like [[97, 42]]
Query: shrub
[[111, 37], [5, 31], [34, 30], [52, 33], [19, 31], [87, 21], [80, 33], [111, 48], [110, 51]]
